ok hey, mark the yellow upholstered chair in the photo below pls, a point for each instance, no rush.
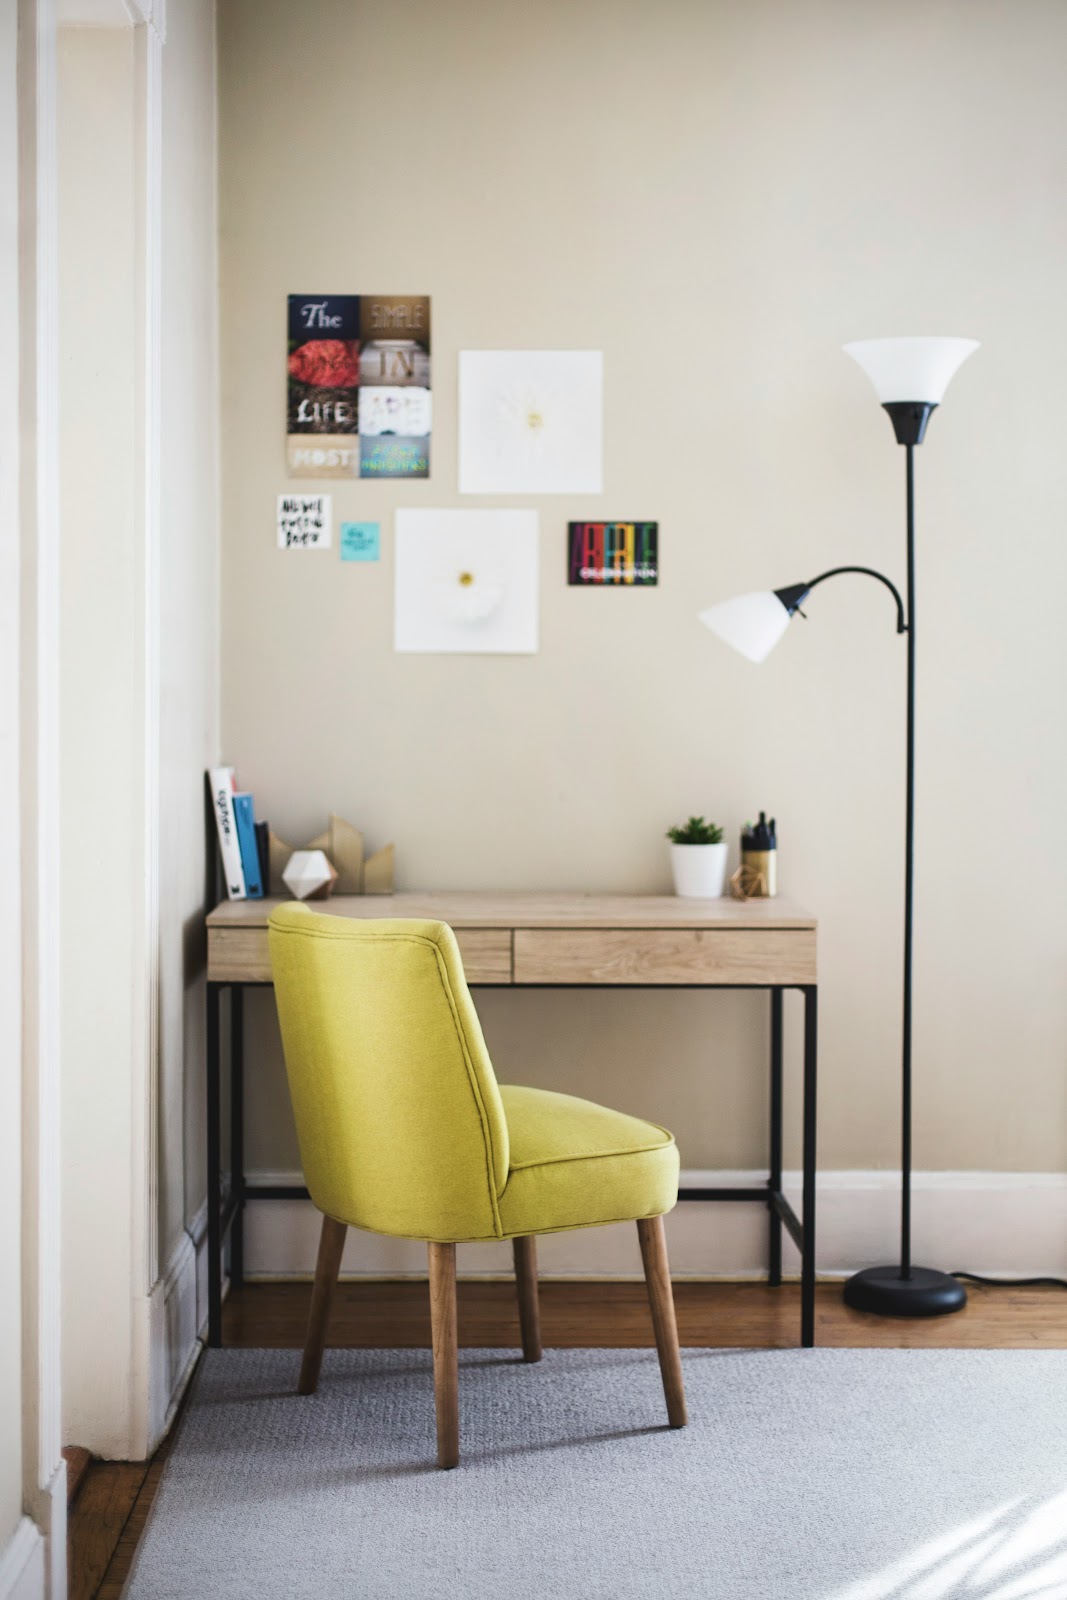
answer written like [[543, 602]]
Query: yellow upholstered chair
[[404, 1130]]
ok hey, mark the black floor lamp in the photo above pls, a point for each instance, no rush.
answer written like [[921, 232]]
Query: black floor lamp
[[910, 377]]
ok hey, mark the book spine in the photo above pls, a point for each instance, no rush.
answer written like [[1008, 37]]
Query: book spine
[[245, 816], [263, 851], [221, 779]]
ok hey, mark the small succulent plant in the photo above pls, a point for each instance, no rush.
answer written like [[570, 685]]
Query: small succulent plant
[[696, 831]]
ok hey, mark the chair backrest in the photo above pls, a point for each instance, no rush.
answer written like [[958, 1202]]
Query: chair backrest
[[398, 1113]]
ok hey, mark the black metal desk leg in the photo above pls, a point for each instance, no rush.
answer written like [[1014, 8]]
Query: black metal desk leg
[[237, 1132], [807, 1269], [774, 1253], [214, 1172]]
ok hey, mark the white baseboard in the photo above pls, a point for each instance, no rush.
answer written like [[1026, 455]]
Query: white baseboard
[[47, 1515], [993, 1223], [179, 1316], [22, 1564]]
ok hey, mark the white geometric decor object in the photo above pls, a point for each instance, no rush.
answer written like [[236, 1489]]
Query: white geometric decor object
[[531, 421], [467, 582], [309, 875]]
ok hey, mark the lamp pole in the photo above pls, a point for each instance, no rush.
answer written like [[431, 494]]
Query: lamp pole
[[753, 624], [907, 1290], [904, 1290], [909, 893]]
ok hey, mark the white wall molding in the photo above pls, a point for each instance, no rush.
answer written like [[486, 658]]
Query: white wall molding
[[44, 1473], [148, 1358], [177, 1309], [13, 342], [114, 14], [29, 1568], [118, 1392], [152, 13], [197, 1231], [993, 1223], [22, 1564]]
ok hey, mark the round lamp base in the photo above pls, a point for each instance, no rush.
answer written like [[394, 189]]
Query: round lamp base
[[924, 1293]]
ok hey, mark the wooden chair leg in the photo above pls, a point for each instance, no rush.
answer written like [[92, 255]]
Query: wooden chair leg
[[445, 1351], [529, 1305], [331, 1243], [661, 1301]]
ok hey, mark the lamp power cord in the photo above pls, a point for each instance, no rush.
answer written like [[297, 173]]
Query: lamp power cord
[[1012, 1283]]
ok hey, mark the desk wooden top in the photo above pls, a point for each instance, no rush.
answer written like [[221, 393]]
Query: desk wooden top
[[522, 909]]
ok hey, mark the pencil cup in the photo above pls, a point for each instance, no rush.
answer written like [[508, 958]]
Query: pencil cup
[[760, 871], [757, 876]]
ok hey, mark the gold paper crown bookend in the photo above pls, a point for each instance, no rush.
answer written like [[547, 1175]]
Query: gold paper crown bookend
[[356, 873]]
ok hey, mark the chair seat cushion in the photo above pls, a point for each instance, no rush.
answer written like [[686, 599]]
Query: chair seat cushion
[[574, 1164]]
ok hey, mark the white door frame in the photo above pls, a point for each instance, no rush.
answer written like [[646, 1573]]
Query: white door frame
[[34, 1563], [125, 1419], [44, 1474], [149, 1398]]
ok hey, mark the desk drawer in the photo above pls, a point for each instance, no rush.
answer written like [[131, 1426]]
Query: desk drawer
[[240, 955], [665, 955], [486, 954]]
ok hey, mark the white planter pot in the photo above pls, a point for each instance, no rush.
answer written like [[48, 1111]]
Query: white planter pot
[[699, 870]]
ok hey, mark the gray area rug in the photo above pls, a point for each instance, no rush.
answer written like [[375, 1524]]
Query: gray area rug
[[804, 1475]]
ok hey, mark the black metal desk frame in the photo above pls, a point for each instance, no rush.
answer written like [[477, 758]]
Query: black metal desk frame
[[226, 1203]]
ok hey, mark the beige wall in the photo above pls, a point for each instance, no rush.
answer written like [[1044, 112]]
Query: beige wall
[[10, 916], [717, 196]]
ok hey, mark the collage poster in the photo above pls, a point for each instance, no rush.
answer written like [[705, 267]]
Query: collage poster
[[606, 553], [359, 401]]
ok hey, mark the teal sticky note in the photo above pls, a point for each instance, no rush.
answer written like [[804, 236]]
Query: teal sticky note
[[360, 541]]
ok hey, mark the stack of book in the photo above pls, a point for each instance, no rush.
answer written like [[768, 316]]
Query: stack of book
[[243, 842]]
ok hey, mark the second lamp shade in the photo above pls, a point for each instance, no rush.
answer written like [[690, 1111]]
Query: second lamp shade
[[751, 623]]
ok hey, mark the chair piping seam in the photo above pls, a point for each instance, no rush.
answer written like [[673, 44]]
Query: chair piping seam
[[590, 1155], [483, 1116]]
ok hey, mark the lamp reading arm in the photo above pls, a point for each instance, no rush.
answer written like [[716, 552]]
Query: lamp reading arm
[[795, 593]]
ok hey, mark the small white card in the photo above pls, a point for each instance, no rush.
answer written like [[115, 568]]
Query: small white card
[[304, 521]]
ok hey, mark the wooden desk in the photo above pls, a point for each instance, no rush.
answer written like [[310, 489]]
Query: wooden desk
[[545, 941]]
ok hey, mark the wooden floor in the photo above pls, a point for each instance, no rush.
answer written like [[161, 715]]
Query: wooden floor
[[377, 1315], [114, 1498]]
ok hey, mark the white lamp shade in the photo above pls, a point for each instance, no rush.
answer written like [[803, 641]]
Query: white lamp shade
[[751, 623], [911, 369]]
